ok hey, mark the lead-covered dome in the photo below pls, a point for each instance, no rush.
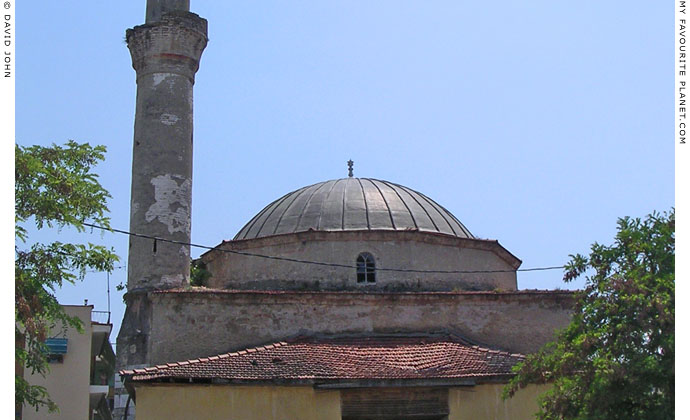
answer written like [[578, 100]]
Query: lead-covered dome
[[353, 204]]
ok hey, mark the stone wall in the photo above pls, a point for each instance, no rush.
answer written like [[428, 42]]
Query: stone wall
[[391, 249], [198, 323]]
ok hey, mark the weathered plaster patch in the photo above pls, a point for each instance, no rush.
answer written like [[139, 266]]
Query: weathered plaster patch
[[135, 208], [159, 77], [168, 193], [169, 119], [184, 251], [172, 279]]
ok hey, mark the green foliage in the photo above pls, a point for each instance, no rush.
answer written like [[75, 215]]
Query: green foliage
[[199, 275], [54, 187], [616, 358]]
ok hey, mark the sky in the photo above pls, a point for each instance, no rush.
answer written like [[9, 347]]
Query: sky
[[535, 123]]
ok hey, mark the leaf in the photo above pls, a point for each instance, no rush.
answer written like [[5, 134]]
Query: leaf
[[54, 186], [615, 360]]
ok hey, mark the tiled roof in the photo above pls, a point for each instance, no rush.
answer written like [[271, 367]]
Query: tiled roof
[[343, 358]]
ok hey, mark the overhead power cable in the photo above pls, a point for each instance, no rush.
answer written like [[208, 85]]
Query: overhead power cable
[[320, 263]]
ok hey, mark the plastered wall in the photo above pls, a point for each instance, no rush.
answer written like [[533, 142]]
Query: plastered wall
[[213, 402], [201, 402], [68, 382], [485, 402], [398, 250], [202, 323]]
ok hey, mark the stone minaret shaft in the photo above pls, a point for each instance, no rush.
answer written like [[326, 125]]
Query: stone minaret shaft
[[165, 54]]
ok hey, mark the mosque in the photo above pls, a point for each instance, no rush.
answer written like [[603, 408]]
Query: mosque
[[353, 298]]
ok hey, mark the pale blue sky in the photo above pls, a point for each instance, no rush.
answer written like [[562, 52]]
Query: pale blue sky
[[536, 123]]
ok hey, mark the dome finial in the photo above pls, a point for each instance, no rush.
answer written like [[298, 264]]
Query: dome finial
[[350, 163]]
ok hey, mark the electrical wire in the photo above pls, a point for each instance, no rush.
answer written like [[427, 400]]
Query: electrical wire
[[319, 263]]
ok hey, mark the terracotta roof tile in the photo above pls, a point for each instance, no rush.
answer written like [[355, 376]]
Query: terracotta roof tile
[[334, 358]]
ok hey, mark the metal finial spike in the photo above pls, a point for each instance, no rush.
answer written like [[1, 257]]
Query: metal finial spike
[[350, 163]]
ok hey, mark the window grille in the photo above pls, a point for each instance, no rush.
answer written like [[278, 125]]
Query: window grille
[[366, 268]]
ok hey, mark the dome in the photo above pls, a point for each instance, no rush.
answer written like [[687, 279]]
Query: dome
[[353, 204]]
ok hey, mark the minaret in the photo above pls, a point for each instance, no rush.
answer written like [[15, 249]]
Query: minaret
[[165, 55]]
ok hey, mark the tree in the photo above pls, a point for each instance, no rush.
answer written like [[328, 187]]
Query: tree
[[616, 358], [54, 187], [198, 273]]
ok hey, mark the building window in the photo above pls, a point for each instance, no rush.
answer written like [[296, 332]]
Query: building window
[[57, 348], [366, 268]]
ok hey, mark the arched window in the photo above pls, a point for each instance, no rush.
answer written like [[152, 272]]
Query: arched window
[[366, 268]]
